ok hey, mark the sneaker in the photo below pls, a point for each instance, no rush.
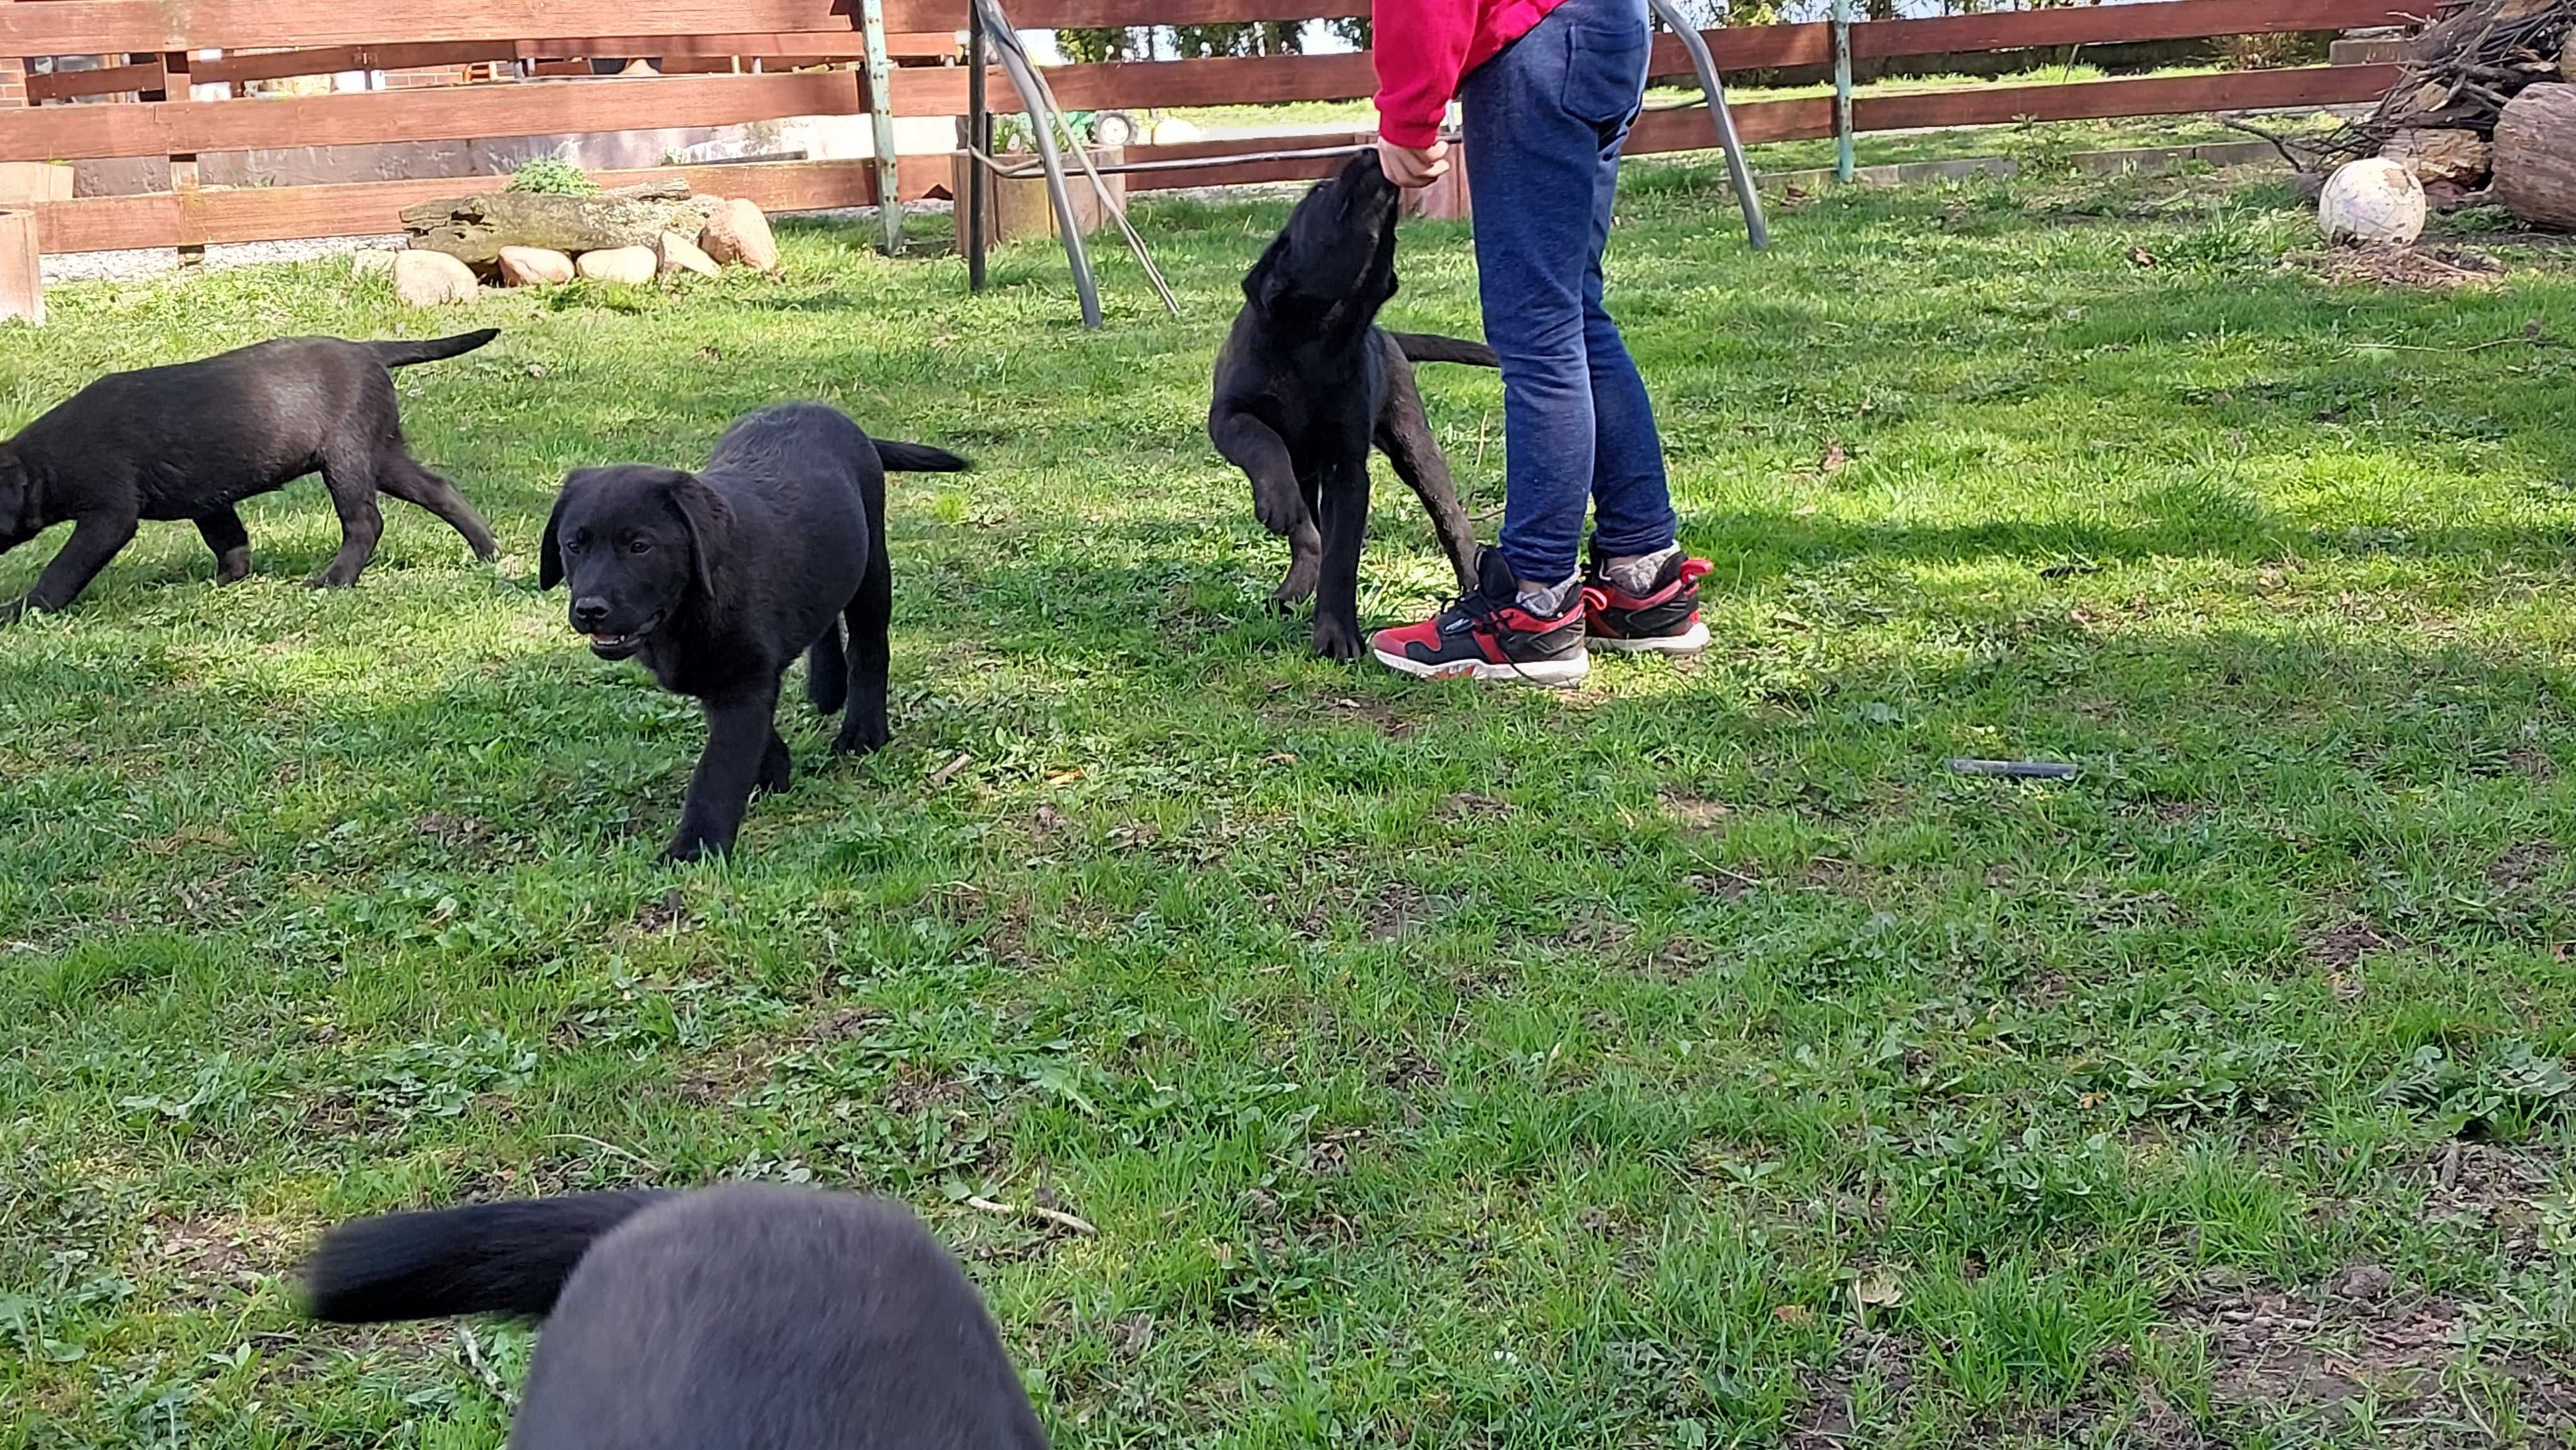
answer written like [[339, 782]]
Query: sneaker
[[1487, 634], [1662, 620]]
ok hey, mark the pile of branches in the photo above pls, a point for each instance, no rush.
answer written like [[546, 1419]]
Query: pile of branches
[[2463, 69]]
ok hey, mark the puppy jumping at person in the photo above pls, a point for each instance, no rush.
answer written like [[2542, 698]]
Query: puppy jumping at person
[[191, 440], [742, 1317], [717, 580], [1307, 382]]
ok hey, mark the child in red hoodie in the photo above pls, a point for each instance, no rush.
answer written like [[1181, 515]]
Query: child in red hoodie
[[1549, 89]]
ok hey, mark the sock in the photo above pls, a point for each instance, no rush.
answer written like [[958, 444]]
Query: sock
[[1548, 599], [1635, 573]]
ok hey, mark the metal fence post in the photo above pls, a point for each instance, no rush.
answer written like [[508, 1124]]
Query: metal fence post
[[1843, 157], [979, 144], [881, 107]]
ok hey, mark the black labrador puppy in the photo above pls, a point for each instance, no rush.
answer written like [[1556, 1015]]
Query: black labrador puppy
[[733, 1318], [191, 440], [718, 579], [1307, 381]]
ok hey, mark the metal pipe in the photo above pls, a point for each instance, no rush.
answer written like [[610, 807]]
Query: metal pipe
[[881, 107], [1844, 160], [979, 142], [1077, 252], [1739, 172]]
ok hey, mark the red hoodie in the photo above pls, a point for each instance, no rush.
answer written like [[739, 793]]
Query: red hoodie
[[1425, 47]]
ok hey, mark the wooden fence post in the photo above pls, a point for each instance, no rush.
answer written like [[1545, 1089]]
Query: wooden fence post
[[22, 269]]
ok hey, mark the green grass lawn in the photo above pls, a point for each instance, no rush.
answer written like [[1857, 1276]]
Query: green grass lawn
[[1688, 1060]]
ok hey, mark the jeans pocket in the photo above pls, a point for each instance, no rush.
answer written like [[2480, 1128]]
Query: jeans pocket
[[1605, 72]]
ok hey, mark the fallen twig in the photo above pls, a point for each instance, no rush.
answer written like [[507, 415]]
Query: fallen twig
[[2235, 123], [482, 1368], [1055, 1216], [638, 1159], [941, 775], [2016, 769]]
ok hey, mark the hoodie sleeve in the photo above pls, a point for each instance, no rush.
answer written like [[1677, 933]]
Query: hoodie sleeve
[[1420, 47]]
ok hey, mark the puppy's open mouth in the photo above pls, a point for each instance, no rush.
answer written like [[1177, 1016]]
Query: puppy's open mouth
[[619, 646]]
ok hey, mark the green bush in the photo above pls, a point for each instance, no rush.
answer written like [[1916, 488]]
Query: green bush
[[549, 176]]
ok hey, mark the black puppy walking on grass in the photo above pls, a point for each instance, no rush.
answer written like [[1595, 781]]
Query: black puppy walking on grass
[[191, 440], [748, 1317], [718, 579], [1307, 381]]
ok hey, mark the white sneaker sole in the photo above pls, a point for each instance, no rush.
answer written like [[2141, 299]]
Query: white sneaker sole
[[1689, 642], [1562, 674]]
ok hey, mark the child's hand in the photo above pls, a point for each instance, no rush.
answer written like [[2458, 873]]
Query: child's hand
[[1413, 167]]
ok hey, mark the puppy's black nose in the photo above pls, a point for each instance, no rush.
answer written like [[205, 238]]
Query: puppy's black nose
[[589, 613]]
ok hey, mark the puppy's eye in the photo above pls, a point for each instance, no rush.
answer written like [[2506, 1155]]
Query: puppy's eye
[[573, 546], [639, 546]]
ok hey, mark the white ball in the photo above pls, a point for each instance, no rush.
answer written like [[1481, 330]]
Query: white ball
[[2372, 200], [1173, 131]]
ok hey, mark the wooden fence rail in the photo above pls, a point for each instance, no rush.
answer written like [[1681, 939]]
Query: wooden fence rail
[[152, 41]]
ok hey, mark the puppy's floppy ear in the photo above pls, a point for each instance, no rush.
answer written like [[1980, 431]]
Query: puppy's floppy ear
[[710, 525], [550, 569]]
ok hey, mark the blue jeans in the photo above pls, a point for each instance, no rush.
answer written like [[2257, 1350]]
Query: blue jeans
[[1544, 123]]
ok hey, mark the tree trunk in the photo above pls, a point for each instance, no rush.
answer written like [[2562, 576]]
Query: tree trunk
[[2535, 156], [474, 229]]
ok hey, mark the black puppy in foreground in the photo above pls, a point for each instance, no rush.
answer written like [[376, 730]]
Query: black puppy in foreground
[[718, 579], [191, 440], [1307, 382], [747, 1317]]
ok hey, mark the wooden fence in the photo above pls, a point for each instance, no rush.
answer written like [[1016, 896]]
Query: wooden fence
[[729, 62]]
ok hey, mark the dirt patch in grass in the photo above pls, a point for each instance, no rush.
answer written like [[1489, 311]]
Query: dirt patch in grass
[[2362, 1343], [2495, 1188], [2433, 268], [2523, 863], [1692, 812], [210, 1259], [1825, 1421], [2341, 946]]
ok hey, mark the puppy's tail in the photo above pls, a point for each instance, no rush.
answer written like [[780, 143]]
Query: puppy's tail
[[404, 354], [1431, 347], [490, 1258], [918, 458]]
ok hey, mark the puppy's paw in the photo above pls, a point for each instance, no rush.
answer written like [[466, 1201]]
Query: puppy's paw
[[233, 568], [686, 848], [14, 610], [1293, 590], [777, 772], [334, 577], [1282, 513], [1337, 640], [865, 739]]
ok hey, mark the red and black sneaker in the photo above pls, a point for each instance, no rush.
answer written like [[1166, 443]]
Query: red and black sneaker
[[1662, 620], [1487, 634]]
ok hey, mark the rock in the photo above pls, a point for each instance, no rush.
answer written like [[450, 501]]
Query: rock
[[738, 233], [2372, 200], [533, 267], [703, 207], [2362, 1283], [432, 279], [632, 265], [678, 254], [2458, 157], [373, 262], [1173, 131]]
